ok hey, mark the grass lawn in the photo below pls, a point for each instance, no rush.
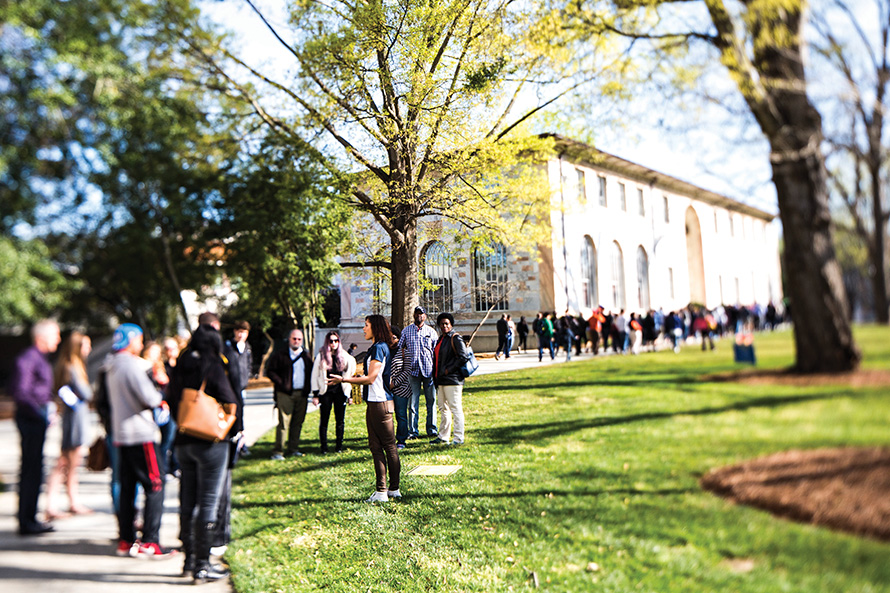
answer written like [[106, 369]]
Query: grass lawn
[[576, 477]]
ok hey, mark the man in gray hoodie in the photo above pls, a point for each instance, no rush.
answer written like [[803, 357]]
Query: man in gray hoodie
[[133, 396]]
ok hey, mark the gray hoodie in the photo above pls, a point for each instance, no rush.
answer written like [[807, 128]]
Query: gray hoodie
[[132, 396]]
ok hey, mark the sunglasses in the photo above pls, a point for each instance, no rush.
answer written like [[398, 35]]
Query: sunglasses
[[333, 341]]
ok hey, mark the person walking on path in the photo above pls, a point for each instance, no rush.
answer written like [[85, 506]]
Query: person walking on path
[[545, 336], [419, 338], [451, 354], [70, 377], [522, 332], [133, 398], [31, 387], [331, 360], [379, 414], [503, 329], [204, 463], [290, 370]]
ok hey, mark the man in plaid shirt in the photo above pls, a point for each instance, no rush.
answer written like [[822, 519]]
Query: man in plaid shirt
[[419, 340]]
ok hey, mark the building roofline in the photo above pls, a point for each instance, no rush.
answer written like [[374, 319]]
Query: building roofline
[[584, 153]]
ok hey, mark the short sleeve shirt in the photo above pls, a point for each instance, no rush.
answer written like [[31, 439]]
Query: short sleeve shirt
[[378, 391]]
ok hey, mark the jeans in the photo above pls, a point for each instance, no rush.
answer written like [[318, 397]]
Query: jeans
[[204, 466], [509, 346], [33, 433], [542, 341], [401, 405], [334, 399], [429, 392], [382, 442], [450, 399]]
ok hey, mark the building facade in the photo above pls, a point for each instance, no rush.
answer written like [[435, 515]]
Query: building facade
[[621, 235]]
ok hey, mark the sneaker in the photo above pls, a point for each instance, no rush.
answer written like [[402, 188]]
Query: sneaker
[[218, 550], [125, 549], [209, 572], [393, 494], [438, 441], [400, 446], [295, 454], [155, 551], [378, 497], [277, 457]]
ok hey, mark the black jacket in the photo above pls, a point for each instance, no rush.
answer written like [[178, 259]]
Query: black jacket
[[449, 356], [281, 370], [190, 370]]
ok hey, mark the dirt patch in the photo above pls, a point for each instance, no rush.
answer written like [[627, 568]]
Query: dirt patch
[[858, 378], [847, 489]]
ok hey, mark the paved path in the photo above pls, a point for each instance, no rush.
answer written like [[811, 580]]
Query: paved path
[[79, 556]]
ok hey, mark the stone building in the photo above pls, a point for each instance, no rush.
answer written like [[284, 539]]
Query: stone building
[[622, 236]]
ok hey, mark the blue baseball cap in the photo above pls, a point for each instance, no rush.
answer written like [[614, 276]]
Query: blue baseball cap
[[124, 334]]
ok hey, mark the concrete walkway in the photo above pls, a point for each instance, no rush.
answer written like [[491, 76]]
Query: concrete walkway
[[79, 556]]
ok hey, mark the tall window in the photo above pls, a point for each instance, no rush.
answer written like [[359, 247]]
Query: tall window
[[642, 278], [602, 190], [622, 197], [436, 266], [731, 225], [588, 273], [582, 187], [642, 202], [671, 282], [490, 278], [617, 277], [667, 212]]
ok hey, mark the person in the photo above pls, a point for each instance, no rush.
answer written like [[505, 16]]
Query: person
[[332, 359], [290, 370], [522, 332], [595, 328], [636, 334], [400, 385], [203, 463], [157, 372], [568, 335], [418, 339], [172, 348], [503, 329], [545, 337], [133, 397], [619, 330], [451, 355], [31, 388], [240, 366], [70, 375], [379, 413]]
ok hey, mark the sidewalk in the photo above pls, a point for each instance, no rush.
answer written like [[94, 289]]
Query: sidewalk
[[79, 556]]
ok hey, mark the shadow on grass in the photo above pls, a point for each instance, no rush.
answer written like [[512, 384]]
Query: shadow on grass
[[535, 432]]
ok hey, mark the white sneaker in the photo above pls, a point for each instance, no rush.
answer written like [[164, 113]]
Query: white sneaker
[[378, 497], [218, 550], [394, 494]]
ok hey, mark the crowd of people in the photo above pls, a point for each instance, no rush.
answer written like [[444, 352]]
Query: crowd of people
[[632, 333]]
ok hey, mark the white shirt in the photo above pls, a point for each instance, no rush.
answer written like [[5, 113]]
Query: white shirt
[[299, 376]]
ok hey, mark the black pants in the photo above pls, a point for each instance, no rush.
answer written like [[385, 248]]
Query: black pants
[[33, 432], [332, 398], [140, 464], [204, 467]]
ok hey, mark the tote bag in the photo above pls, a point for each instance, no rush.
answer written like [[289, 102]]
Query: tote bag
[[203, 416], [469, 367]]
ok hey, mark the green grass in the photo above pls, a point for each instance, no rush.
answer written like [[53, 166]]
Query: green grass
[[596, 461]]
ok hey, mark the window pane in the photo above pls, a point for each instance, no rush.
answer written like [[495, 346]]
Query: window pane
[[642, 279], [436, 267], [490, 279], [602, 186], [588, 274]]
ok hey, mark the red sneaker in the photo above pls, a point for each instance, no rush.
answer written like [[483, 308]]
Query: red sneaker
[[127, 549], [154, 550]]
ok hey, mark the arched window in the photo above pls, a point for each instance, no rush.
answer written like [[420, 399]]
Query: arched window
[[617, 277], [435, 264], [490, 278], [589, 295], [642, 278]]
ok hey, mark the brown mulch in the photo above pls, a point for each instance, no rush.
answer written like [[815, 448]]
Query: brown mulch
[[846, 489], [857, 378]]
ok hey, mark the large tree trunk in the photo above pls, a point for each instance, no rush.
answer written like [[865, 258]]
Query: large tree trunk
[[404, 274], [877, 250]]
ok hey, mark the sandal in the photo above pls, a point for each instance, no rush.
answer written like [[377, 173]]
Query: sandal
[[53, 515], [81, 510]]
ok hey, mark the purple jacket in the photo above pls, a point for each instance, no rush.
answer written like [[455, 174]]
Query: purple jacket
[[31, 385]]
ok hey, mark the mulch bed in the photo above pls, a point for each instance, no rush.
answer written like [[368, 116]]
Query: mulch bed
[[846, 489]]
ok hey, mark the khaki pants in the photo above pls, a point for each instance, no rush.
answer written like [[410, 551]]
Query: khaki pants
[[291, 414], [450, 401]]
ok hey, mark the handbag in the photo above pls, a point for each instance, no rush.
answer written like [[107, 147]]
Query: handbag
[[98, 459], [470, 366], [203, 416]]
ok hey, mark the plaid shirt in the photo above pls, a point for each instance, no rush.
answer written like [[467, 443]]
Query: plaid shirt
[[419, 343]]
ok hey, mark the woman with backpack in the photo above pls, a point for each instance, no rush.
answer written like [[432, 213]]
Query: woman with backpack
[[449, 355]]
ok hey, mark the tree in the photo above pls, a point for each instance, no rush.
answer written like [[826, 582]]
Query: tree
[[32, 287], [760, 43], [424, 104], [862, 62], [283, 225]]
